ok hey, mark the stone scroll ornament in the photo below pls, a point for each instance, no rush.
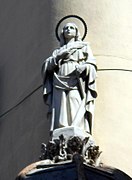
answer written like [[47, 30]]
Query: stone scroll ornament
[[69, 89], [59, 150]]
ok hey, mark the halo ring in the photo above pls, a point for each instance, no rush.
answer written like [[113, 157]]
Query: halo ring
[[71, 16]]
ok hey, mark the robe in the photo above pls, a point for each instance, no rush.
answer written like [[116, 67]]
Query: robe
[[69, 87]]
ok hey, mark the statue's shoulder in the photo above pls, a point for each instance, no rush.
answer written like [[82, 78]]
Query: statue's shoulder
[[86, 43], [85, 46], [55, 52]]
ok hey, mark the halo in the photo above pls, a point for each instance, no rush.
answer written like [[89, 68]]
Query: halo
[[71, 16]]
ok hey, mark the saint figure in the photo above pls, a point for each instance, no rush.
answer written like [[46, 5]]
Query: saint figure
[[69, 82]]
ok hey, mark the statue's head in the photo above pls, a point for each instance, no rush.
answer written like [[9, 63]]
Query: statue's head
[[69, 31]]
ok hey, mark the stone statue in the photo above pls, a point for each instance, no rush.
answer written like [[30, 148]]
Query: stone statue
[[69, 81]]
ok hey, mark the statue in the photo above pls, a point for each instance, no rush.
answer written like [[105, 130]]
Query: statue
[[69, 90], [69, 81]]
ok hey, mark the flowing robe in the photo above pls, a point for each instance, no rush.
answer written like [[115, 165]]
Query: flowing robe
[[69, 86]]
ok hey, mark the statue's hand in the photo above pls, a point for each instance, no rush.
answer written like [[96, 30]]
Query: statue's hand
[[78, 45], [62, 54], [81, 68]]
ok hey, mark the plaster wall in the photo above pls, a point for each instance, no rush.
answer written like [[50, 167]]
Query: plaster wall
[[27, 38]]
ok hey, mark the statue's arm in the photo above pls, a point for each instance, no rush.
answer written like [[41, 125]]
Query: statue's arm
[[90, 57], [90, 61], [49, 64], [52, 62]]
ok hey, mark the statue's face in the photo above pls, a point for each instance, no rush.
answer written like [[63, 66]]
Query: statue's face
[[69, 31]]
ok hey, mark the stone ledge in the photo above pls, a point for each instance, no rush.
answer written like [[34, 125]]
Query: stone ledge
[[68, 170], [71, 132]]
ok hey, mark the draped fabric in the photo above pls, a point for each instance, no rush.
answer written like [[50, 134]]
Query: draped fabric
[[69, 87]]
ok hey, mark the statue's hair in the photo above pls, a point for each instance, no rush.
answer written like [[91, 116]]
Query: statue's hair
[[62, 37]]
